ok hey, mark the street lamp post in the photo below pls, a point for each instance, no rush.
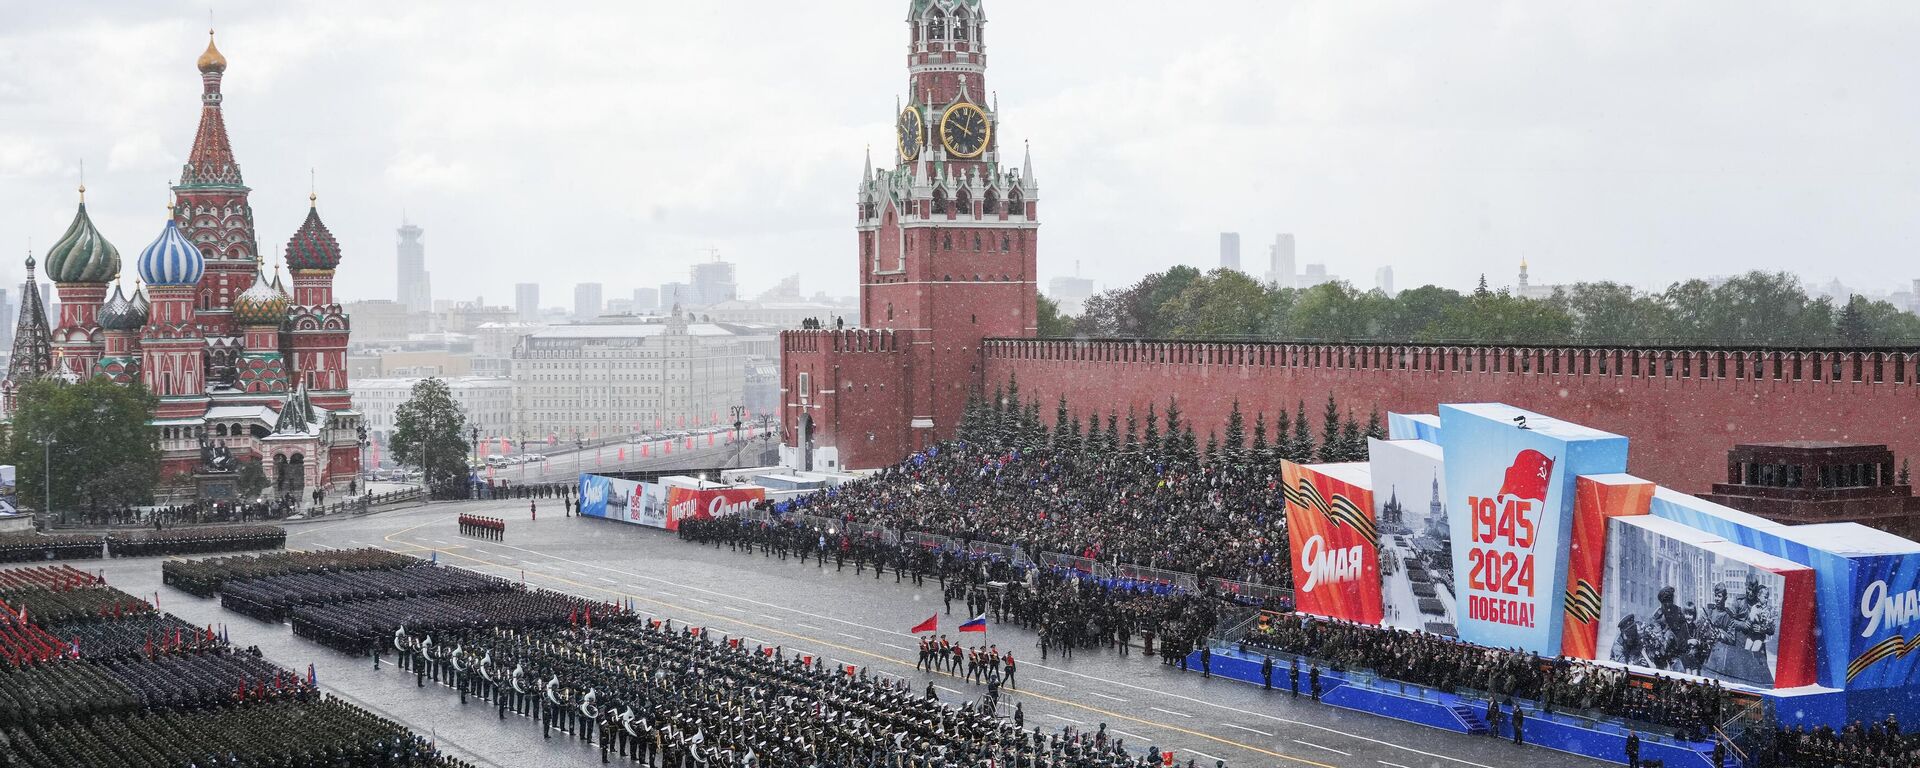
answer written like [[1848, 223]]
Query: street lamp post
[[739, 415], [475, 434], [46, 478], [579, 450]]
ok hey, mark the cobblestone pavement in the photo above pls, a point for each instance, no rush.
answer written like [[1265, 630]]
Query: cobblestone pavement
[[847, 618]]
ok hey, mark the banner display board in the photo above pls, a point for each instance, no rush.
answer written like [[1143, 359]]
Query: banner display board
[[657, 505], [1331, 529], [1596, 498], [1867, 584], [1413, 426], [1416, 555], [1509, 482], [1683, 600]]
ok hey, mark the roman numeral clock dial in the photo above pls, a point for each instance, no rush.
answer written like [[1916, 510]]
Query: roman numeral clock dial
[[912, 134], [965, 131]]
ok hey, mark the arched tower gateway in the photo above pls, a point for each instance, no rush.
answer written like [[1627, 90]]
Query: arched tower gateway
[[947, 236]]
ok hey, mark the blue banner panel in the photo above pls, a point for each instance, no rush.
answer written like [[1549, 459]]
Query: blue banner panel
[[1510, 490]]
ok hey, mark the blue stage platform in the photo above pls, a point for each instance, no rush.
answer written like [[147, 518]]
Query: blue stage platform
[[1446, 711]]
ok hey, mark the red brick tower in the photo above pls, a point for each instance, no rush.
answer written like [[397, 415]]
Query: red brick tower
[[948, 239], [319, 348]]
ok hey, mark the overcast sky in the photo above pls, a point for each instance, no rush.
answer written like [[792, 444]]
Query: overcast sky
[[608, 141]]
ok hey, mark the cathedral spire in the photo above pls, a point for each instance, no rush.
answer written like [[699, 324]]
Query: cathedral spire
[[32, 339], [211, 163]]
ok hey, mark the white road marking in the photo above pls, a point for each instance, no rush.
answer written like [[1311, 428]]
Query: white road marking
[[891, 645], [700, 601], [1171, 712], [607, 580], [1068, 719], [1102, 695], [1390, 765], [1129, 735], [798, 624], [1249, 730], [1317, 746], [843, 634], [950, 690], [1203, 754], [444, 542], [769, 618], [1047, 682]]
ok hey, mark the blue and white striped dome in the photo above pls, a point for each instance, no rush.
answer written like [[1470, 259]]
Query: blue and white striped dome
[[171, 260]]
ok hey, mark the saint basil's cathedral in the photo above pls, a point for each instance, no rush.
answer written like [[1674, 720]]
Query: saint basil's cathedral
[[242, 368]]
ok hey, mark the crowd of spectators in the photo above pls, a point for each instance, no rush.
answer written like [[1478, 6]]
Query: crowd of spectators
[[1865, 745], [1687, 708]]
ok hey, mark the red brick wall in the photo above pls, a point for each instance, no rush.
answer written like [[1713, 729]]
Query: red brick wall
[[1681, 425]]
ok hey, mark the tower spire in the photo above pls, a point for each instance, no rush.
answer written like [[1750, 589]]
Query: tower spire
[[32, 339]]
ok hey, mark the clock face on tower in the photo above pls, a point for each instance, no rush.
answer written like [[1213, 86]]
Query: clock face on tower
[[965, 131], [912, 132]]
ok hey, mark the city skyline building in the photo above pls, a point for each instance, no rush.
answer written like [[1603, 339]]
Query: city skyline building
[[1383, 280], [1281, 269], [646, 299], [526, 302], [587, 301], [415, 286], [713, 282], [1230, 251]]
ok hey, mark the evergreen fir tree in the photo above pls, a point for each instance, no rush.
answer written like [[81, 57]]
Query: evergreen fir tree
[[1332, 449], [1150, 444], [1259, 453], [1133, 432], [1189, 447], [1283, 438], [1234, 445], [1060, 417], [1213, 455], [1906, 471], [1173, 419], [1072, 435], [1302, 436], [993, 418], [1353, 443], [1112, 443], [1093, 439]]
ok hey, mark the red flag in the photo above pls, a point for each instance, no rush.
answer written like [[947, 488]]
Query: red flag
[[643, 451], [932, 624], [1527, 478], [623, 456]]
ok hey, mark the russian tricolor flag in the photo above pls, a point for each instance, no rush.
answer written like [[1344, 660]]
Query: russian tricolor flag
[[976, 624]]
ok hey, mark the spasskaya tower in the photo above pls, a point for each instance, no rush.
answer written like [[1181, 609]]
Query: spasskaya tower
[[947, 235]]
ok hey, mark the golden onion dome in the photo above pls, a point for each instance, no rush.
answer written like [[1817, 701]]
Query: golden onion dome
[[212, 61]]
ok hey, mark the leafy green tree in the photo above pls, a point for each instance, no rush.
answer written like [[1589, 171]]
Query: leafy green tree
[[95, 436], [1413, 311], [430, 434], [251, 480], [1613, 313], [1052, 324], [1225, 302], [1331, 311]]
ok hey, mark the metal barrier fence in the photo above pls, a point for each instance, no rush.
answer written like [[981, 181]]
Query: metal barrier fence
[[1185, 581], [1074, 562], [1266, 595]]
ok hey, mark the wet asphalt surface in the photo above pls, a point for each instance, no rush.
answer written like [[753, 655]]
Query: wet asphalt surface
[[848, 619]]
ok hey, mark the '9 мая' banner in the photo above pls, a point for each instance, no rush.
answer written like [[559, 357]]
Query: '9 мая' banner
[[1331, 533], [1510, 476]]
